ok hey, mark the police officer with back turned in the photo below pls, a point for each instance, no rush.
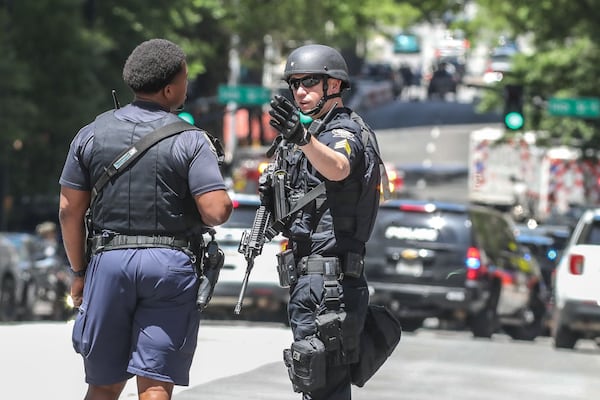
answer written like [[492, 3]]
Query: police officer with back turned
[[137, 293], [328, 289]]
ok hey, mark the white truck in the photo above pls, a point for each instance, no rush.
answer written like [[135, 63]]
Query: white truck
[[499, 168], [531, 181]]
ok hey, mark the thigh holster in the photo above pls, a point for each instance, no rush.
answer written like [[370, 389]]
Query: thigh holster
[[306, 363]]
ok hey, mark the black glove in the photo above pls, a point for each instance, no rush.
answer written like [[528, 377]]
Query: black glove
[[286, 119]]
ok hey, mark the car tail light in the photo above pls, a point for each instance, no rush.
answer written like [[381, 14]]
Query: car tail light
[[396, 179], [235, 203], [418, 207], [576, 264], [473, 263]]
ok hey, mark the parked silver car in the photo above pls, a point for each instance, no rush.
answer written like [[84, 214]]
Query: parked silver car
[[264, 297], [42, 283], [11, 283]]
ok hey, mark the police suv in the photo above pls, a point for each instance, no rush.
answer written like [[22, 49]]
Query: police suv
[[455, 262]]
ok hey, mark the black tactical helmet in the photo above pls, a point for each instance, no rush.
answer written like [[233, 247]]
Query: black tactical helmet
[[317, 59]]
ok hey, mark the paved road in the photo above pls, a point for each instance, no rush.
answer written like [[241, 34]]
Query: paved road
[[433, 365], [243, 361]]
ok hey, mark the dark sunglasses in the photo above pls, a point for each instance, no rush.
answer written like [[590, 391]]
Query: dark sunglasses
[[306, 81]]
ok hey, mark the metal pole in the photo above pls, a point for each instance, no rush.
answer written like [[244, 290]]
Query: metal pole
[[234, 74]]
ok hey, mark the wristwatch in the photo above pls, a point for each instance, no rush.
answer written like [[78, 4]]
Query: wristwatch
[[77, 274]]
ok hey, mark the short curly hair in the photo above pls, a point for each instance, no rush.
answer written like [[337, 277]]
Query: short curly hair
[[152, 65]]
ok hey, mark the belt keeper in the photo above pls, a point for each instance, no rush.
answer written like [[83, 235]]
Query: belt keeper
[[329, 268]]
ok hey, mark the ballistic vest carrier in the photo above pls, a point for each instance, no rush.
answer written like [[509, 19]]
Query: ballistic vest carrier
[[149, 198]]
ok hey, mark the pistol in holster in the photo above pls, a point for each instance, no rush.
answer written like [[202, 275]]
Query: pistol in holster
[[208, 264]]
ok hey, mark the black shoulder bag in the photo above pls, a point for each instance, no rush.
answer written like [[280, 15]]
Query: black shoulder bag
[[381, 334]]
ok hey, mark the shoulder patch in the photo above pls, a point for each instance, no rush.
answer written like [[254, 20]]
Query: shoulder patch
[[343, 144], [342, 133], [211, 144]]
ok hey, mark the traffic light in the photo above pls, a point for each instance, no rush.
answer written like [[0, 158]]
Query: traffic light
[[513, 107]]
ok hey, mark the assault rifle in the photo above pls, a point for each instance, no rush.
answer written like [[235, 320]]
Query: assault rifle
[[276, 197], [272, 189]]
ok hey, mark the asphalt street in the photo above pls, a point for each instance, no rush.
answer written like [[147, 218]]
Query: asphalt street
[[244, 361], [232, 361]]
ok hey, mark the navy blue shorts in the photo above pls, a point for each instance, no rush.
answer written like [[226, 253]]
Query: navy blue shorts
[[138, 316]]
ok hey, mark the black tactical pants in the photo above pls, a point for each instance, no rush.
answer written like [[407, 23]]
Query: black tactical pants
[[304, 306]]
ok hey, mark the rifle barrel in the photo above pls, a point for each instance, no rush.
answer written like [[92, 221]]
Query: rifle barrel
[[238, 306]]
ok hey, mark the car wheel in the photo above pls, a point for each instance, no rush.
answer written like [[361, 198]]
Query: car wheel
[[411, 324], [8, 300], [564, 338], [28, 302], [61, 310], [530, 330], [484, 323]]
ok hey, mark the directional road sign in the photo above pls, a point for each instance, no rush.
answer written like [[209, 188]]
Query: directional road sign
[[584, 107], [244, 94]]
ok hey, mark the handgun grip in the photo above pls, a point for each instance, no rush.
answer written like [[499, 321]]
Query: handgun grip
[[204, 293]]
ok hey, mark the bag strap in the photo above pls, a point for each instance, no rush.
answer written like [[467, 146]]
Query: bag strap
[[369, 135], [127, 156], [312, 194]]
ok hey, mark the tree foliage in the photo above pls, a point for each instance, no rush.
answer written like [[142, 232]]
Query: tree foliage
[[61, 58], [565, 62]]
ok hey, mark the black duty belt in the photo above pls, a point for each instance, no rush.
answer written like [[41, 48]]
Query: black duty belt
[[352, 264], [331, 269], [112, 242], [315, 264]]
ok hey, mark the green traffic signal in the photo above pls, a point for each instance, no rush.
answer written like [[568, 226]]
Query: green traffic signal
[[187, 117], [514, 120]]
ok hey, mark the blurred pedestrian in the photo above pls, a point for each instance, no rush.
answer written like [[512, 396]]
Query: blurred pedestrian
[[408, 80], [48, 234], [137, 293]]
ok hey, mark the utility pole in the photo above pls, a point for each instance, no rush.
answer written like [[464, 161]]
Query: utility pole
[[234, 76]]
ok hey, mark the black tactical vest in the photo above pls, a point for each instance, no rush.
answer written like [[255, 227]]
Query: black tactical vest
[[149, 197], [341, 220]]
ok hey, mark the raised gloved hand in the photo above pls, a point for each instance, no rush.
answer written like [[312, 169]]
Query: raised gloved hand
[[285, 118]]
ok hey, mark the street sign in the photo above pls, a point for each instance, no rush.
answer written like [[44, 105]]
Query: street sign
[[244, 94], [584, 107]]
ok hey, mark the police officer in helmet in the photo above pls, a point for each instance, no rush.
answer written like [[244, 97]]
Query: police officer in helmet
[[328, 294], [137, 295]]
